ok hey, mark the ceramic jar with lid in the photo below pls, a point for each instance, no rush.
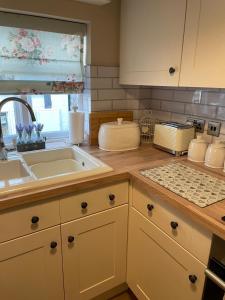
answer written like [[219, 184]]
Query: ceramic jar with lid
[[119, 136], [215, 155], [197, 149]]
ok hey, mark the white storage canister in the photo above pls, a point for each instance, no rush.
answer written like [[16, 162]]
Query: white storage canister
[[119, 136]]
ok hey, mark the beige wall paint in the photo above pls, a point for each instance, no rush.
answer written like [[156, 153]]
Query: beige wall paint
[[104, 20]]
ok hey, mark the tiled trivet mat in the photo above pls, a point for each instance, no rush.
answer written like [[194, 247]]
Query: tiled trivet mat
[[193, 185]]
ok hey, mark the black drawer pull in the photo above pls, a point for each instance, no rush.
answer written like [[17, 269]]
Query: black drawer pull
[[53, 245], [84, 205], [150, 207], [70, 239], [192, 278], [34, 220], [112, 197], [172, 70], [174, 225]]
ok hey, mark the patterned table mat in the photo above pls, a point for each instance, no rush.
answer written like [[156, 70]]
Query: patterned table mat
[[193, 185]]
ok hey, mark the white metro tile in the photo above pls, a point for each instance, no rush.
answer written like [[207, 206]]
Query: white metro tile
[[91, 94], [111, 94], [126, 104], [91, 71], [172, 106], [186, 96], [200, 110], [100, 83], [101, 105], [212, 98], [162, 94], [221, 113], [108, 71], [116, 84], [161, 115], [150, 104], [132, 93], [179, 118]]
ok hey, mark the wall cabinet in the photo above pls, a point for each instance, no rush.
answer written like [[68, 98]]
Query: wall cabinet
[[151, 41], [31, 267], [155, 34], [158, 268], [94, 253], [203, 61]]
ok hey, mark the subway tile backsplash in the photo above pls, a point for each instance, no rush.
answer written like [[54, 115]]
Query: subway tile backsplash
[[166, 103]]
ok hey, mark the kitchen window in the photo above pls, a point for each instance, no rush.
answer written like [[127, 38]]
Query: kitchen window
[[50, 110], [42, 61]]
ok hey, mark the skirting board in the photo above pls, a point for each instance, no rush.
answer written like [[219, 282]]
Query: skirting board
[[113, 292]]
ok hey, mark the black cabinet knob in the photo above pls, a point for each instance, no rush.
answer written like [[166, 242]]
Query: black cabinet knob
[[34, 220], [172, 70], [223, 218], [174, 225], [84, 205], [53, 245], [150, 207], [70, 239], [112, 197], [192, 278]]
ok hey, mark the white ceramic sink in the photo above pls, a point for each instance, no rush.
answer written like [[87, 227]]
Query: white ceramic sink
[[63, 161], [13, 172], [37, 169]]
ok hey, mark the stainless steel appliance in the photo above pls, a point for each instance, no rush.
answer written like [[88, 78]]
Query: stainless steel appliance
[[215, 273]]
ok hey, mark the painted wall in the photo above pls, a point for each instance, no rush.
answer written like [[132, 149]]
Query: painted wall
[[104, 20]]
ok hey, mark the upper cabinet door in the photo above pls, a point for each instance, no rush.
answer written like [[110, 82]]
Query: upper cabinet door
[[151, 41], [203, 62]]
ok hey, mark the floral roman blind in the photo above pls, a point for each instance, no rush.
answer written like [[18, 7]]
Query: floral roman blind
[[36, 61]]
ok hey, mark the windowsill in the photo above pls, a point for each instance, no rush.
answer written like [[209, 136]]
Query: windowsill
[[50, 144]]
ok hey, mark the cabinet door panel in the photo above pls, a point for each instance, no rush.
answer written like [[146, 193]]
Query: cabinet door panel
[[151, 41], [30, 269], [96, 260], [158, 268], [203, 61]]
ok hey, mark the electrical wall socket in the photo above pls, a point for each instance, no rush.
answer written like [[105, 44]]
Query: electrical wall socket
[[199, 124], [214, 128]]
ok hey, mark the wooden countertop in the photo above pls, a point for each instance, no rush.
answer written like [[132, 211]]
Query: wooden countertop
[[121, 162], [126, 165]]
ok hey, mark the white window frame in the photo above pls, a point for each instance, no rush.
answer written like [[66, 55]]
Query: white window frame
[[22, 115]]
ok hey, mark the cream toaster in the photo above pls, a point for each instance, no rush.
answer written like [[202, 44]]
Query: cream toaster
[[173, 137]]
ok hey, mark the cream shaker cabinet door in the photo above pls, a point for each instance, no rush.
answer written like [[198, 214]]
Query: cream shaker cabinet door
[[31, 267], [203, 63], [158, 268], [151, 41], [94, 253]]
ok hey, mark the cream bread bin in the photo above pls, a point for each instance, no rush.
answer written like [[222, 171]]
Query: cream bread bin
[[119, 136]]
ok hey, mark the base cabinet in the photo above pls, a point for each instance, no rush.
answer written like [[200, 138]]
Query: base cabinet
[[31, 267], [158, 268], [94, 253]]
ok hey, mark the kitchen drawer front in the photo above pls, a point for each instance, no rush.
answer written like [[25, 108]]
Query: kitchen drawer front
[[186, 232], [28, 219], [85, 203], [155, 260]]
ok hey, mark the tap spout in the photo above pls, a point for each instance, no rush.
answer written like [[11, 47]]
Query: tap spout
[[2, 103]]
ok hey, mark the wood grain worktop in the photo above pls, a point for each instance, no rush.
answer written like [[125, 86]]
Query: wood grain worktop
[[126, 165]]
